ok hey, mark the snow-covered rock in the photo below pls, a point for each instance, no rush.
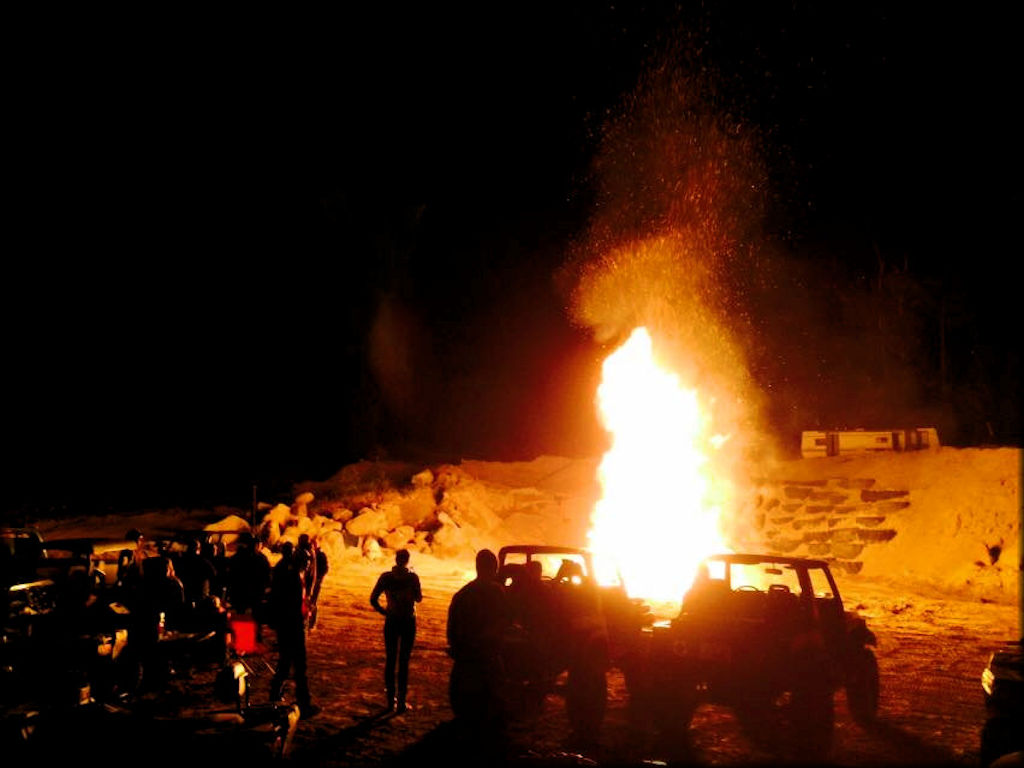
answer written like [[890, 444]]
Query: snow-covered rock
[[367, 522]]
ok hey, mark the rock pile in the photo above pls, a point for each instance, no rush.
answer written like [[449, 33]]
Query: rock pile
[[441, 511]]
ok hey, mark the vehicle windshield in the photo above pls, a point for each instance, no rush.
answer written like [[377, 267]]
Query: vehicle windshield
[[21, 546], [552, 564], [61, 553], [764, 577]]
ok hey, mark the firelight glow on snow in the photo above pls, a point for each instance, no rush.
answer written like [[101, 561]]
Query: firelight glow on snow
[[654, 522]]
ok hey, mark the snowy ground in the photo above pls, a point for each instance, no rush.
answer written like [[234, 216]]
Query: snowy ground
[[960, 535], [930, 651], [935, 618]]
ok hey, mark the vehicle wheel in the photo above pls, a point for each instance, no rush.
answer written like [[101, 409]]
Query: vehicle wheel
[[127, 676], [637, 681], [467, 690], [758, 717], [533, 696], [862, 687], [586, 699], [668, 708], [998, 738], [669, 697], [673, 712], [524, 698], [812, 718]]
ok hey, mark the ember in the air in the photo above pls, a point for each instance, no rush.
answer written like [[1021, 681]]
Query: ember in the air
[[655, 520]]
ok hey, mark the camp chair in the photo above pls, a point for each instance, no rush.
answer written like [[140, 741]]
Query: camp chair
[[244, 648], [247, 659]]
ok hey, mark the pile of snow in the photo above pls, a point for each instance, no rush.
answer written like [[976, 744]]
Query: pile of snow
[[959, 536], [369, 510]]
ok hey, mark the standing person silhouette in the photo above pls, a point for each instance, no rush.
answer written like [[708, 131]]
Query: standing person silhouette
[[314, 562], [196, 572], [478, 618], [286, 601], [322, 566], [129, 567], [402, 590], [248, 577]]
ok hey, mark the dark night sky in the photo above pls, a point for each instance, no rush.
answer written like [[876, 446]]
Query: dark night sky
[[208, 212]]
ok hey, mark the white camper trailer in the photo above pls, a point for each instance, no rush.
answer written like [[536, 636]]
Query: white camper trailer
[[835, 442]]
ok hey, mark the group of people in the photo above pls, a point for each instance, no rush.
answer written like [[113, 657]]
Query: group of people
[[199, 574], [478, 617], [293, 590], [164, 592], [191, 590], [285, 597]]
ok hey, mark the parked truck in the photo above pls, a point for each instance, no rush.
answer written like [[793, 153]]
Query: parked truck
[[567, 632], [767, 636]]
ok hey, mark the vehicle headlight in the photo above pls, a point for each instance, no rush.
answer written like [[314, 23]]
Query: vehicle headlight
[[105, 645], [987, 680]]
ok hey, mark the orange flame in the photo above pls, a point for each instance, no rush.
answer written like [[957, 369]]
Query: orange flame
[[655, 520]]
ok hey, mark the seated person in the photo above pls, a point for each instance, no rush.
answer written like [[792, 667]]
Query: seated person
[[568, 571], [704, 590]]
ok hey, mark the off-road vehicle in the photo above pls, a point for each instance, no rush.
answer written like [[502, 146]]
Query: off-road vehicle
[[20, 552], [1002, 680], [564, 622], [768, 636], [53, 656], [97, 557]]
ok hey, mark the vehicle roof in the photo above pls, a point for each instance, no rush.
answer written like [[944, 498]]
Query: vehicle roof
[[181, 534], [751, 559], [13, 531], [26, 585], [542, 549], [84, 540]]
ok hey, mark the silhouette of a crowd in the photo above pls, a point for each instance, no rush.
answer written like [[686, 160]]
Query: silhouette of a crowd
[[171, 605], [170, 600]]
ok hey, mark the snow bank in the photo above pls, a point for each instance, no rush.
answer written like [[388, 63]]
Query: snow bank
[[962, 531], [448, 511], [959, 532], [951, 516]]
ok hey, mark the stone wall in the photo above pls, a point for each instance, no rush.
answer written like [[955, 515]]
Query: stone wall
[[832, 520]]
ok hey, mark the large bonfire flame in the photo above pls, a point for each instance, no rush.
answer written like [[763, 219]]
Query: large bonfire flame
[[655, 520]]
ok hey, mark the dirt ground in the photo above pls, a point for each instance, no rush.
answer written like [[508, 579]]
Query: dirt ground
[[931, 651]]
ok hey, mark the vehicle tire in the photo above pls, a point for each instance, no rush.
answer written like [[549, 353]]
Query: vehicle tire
[[673, 712], [127, 672], [758, 717], [862, 687], [668, 707], [534, 693], [586, 699], [670, 697], [586, 694], [638, 688], [467, 690], [812, 718], [998, 738]]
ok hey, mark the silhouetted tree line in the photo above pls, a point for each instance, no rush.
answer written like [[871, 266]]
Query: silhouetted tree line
[[885, 347]]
